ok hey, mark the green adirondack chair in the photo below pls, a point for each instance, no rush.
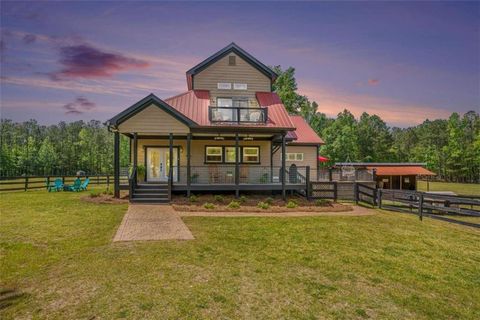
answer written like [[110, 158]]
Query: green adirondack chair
[[84, 185], [56, 186], [76, 185]]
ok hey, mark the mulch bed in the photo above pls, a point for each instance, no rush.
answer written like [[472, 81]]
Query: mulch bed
[[104, 199], [182, 203]]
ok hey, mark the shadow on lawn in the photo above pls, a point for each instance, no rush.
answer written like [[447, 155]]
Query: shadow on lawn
[[9, 297]]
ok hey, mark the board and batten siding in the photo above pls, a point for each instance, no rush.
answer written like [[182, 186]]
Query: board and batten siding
[[152, 119], [241, 72]]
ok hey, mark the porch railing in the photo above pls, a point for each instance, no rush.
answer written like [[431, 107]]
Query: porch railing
[[237, 114], [247, 174]]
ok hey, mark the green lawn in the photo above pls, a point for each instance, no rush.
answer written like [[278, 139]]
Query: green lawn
[[458, 188], [57, 252]]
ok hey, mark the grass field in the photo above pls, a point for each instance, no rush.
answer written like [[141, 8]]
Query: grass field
[[58, 256], [458, 188]]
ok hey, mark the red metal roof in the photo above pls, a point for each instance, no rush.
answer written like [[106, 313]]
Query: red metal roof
[[401, 170], [277, 114], [304, 133], [194, 105]]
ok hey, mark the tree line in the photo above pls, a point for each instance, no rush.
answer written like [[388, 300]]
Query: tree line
[[63, 149], [450, 147]]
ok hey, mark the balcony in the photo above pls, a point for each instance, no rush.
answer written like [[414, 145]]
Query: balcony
[[237, 114]]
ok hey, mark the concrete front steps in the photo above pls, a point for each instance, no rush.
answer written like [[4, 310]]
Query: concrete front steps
[[150, 193]]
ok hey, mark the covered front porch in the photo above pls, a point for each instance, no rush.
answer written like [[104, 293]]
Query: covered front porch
[[220, 161]]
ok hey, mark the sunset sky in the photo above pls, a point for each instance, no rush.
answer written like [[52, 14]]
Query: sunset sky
[[66, 61]]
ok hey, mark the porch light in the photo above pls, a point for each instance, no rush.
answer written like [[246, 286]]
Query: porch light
[[219, 138], [247, 138]]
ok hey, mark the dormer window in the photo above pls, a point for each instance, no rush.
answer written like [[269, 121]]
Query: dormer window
[[232, 60]]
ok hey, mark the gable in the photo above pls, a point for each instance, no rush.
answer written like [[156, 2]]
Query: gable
[[228, 50], [152, 119], [221, 72]]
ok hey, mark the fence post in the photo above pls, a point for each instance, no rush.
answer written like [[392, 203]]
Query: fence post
[[307, 181], [330, 174], [374, 195], [379, 198], [420, 207], [355, 191], [108, 182], [48, 182], [63, 180], [26, 183], [335, 190]]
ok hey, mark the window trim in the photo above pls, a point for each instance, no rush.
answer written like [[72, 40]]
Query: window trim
[[224, 83], [240, 84], [296, 154], [221, 154], [224, 158]]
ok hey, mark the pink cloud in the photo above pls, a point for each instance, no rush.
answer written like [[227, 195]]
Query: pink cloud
[[373, 82], [85, 61], [78, 106]]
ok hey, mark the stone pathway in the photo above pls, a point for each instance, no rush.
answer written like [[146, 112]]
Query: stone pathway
[[152, 222]]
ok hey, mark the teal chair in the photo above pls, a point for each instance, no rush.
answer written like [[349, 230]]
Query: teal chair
[[56, 186], [84, 185], [76, 185]]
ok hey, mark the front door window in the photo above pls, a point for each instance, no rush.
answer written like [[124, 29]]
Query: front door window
[[158, 164]]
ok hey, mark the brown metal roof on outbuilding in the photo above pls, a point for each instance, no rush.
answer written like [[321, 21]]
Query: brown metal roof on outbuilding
[[401, 170]]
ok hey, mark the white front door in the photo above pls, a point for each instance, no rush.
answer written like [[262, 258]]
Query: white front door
[[158, 164]]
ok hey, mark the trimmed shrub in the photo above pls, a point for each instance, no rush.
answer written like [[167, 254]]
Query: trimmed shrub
[[193, 198], [95, 194], [321, 202], [219, 198], [291, 204], [263, 205], [209, 205], [242, 199], [234, 205], [269, 200]]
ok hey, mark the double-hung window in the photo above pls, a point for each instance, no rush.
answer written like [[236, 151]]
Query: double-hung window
[[214, 154], [251, 155]]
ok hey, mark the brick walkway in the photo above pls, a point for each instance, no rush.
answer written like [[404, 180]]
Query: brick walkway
[[152, 222]]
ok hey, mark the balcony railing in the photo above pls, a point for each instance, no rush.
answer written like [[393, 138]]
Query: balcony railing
[[237, 114]]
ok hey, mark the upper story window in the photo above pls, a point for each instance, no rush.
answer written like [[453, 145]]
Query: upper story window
[[232, 60], [224, 86], [239, 86]]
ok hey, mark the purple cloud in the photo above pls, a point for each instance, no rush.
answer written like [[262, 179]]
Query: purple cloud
[[29, 38], [85, 61], [78, 106]]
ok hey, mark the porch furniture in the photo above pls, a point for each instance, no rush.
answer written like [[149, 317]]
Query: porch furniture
[[243, 174], [84, 185], [213, 175], [56, 186], [75, 187]]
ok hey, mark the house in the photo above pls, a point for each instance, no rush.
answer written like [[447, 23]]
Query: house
[[228, 132], [401, 176]]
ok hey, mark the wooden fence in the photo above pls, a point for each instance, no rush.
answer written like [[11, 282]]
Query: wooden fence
[[24, 183], [435, 206]]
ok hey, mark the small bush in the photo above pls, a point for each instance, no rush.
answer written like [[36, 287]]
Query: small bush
[[291, 204], [263, 205], [321, 202], [193, 198], [209, 205], [219, 198], [269, 200], [234, 205], [242, 199], [95, 194], [108, 193], [293, 200]]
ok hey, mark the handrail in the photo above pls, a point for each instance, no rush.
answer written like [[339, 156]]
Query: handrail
[[132, 182], [236, 114]]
